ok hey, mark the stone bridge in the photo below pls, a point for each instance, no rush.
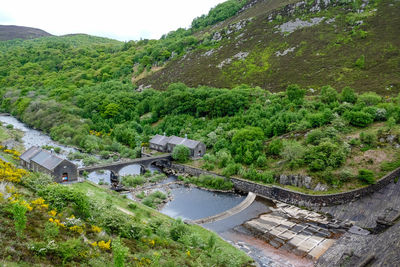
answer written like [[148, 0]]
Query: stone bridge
[[145, 162]]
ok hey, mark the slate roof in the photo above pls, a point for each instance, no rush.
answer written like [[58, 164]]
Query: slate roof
[[161, 140], [30, 153], [175, 140], [47, 160]]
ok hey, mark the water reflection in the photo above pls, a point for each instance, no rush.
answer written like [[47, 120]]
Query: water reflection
[[194, 203], [130, 170], [99, 176]]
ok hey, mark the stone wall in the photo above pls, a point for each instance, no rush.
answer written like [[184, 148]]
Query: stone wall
[[293, 197]]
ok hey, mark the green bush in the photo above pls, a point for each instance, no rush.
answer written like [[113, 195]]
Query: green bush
[[18, 211], [50, 232], [37, 180], [261, 161], [370, 98], [178, 229], [348, 95], [359, 118], [133, 180], [181, 153], [119, 252], [231, 169], [328, 94], [275, 147], [366, 176], [295, 94], [59, 197], [368, 138]]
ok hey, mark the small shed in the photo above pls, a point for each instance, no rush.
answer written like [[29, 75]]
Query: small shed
[[37, 159]]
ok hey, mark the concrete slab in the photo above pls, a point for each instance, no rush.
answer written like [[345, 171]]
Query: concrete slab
[[287, 235], [307, 245]]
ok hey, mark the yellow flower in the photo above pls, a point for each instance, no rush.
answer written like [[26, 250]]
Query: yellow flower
[[76, 229], [51, 220], [188, 253], [94, 244], [96, 229], [53, 213], [104, 245], [152, 243]]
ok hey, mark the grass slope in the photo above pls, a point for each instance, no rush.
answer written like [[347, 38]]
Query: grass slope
[[346, 49]]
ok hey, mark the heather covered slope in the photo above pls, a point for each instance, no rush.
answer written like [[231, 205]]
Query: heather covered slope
[[355, 44], [10, 32]]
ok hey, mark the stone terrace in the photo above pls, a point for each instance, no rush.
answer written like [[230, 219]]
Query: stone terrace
[[305, 233]]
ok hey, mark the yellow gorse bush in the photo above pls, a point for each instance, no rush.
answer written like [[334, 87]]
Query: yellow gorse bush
[[96, 229], [8, 172], [76, 229], [104, 245], [39, 204]]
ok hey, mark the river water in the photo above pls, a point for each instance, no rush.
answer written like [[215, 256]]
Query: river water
[[190, 203]]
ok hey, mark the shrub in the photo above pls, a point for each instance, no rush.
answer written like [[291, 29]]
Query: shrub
[[50, 231], [59, 196], [133, 180], [314, 137], [178, 229], [224, 157], [180, 153], [295, 94], [261, 161], [359, 118], [368, 138], [275, 147], [231, 169], [119, 252], [370, 98], [18, 210], [348, 95], [292, 150], [70, 249], [366, 176], [328, 94], [36, 180]]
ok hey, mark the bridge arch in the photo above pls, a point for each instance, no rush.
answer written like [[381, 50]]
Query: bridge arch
[[117, 166]]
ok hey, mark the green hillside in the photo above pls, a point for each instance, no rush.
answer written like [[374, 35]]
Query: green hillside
[[344, 44]]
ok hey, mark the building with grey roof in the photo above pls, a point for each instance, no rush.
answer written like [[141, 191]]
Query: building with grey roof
[[167, 144], [37, 159]]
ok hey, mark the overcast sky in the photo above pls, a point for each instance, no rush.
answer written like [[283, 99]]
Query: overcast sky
[[119, 19]]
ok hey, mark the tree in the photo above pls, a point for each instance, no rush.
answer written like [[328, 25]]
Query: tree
[[180, 153], [328, 94], [247, 144], [348, 95], [295, 94]]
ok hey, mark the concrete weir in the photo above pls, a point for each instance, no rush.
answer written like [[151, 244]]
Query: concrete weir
[[223, 215]]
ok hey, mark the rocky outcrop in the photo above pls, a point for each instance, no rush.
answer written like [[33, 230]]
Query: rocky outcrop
[[296, 180]]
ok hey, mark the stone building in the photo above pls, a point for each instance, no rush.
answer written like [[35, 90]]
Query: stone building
[[166, 144], [37, 159]]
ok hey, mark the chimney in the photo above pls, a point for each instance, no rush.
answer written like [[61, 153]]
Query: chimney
[[52, 151]]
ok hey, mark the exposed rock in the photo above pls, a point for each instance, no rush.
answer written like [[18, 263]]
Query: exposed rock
[[321, 187], [296, 180], [291, 26]]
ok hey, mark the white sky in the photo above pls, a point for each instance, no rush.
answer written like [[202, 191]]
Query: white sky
[[118, 19]]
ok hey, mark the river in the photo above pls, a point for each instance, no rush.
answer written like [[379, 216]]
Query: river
[[190, 203]]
